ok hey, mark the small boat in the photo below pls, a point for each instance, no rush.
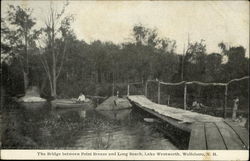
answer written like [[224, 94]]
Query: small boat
[[68, 103]]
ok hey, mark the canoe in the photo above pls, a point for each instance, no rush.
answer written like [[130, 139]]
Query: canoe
[[68, 103]]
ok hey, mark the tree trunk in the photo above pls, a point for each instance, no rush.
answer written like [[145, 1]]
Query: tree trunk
[[26, 80], [2, 97], [25, 73], [99, 75], [53, 92], [43, 85], [26, 51]]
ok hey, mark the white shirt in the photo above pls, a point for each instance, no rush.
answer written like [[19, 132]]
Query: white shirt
[[81, 98]]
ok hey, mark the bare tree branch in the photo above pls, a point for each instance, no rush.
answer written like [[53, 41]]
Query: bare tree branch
[[46, 68], [62, 61]]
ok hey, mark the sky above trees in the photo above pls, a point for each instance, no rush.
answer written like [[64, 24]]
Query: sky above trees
[[226, 21]]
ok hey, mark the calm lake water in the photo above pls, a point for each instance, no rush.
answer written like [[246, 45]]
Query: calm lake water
[[45, 127]]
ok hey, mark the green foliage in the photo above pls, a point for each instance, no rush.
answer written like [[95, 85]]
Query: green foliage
[[194, 65], [213, 67], [16, 31]]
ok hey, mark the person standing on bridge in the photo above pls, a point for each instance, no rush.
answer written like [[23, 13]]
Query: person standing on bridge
[[235, 108]]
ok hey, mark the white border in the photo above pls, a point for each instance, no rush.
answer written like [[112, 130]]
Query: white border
[[126, 154]]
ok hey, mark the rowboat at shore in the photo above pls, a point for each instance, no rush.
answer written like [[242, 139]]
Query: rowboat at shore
[[69, 103]]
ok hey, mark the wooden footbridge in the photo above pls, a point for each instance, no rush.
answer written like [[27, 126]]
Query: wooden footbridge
[[207, 132]]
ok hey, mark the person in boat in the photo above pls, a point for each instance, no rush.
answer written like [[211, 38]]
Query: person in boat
[[196, 105], [81, 98]]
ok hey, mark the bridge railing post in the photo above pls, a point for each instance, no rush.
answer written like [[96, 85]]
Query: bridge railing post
[[185, 97], [128, 90], [168, 99], [146, 89], [225, 101], [159, 92]]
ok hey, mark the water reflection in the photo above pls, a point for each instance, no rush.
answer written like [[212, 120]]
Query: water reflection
[[80, 128], [117, 114]]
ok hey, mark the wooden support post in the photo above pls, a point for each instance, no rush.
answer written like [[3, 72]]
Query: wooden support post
[[225, 101], [168, 99], [146, 89], [159, 92], [185, 97], [128, 90], [113, 89]]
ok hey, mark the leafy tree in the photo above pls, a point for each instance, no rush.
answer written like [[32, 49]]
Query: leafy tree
[[17, 37], [237, 64], [213, 65], [194, 63], [66, 66], [147, 45]]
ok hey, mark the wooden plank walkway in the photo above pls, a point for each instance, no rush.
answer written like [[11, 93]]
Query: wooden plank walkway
[[177, 117], [217, 136], [206, 132]]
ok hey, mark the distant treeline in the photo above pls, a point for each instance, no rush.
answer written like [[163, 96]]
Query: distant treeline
[[93, 68]]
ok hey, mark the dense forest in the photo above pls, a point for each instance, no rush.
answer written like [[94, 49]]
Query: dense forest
[[61, 65]]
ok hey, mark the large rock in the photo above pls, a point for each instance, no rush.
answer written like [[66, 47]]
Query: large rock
[[114, 103], [122, 103], [32, 95], [116, 114], [31, 99]]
